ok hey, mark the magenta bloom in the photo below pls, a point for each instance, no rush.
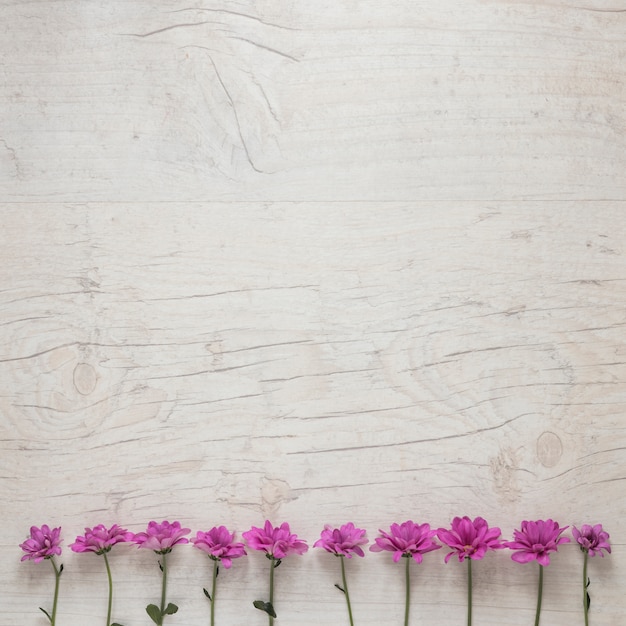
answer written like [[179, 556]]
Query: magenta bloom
[[219, 544], [275, 542], [100, 540], [42, 544], [162, 537], [407, 539], [344, 541], [469, 539], [536, 540], [592, 539]]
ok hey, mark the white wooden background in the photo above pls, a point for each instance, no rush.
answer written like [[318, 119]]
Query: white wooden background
[[315, 261]]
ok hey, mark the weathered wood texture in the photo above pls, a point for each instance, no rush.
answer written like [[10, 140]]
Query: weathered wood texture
[[313, 262]]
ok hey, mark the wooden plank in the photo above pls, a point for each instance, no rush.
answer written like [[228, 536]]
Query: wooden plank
[[314, 363], [315, 263], [120, 101]]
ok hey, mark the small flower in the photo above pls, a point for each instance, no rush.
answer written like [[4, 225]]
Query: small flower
[[344, 541], [219, 544], [536, 540], [276, 542], [469, 539], [592, 539], [42, 544], [162, 537], [100, 540], [408, 540]]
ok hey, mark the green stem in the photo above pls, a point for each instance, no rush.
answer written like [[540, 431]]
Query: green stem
[[585, 589], [215, 564], [272, 568], [163, 586], [106, 563], [57, 577], [539, 595], [469, 591], [407, 600], [345, 588]]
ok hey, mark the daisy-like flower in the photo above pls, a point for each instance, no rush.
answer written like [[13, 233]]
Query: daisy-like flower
[[44, 544], [469, 541], [100, 540], [343, 542], [161, 538], [591, 540], [220, 546], [534, 542], [277, 543], [408, 541]]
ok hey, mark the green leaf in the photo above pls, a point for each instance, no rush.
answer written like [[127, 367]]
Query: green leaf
[[115, 624], [588, 601], [340, 588], [160, 566], [266, 607], [170, 609], [277, 563], [46, 614], [155, 614], [61, 569], [207, 594]]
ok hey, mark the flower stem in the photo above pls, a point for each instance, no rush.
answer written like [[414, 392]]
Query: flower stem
[[469, 592], [345, 588], [407, 601], [215, 565], [106, 563], [272, 568], [539, 594], [585, 589], [163, 585], [57, 576]]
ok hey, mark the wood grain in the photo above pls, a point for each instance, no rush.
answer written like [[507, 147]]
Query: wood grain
[[315, 264]]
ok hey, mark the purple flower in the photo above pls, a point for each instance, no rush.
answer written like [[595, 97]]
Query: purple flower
[[219, 544], [344, 541], [42, 544], [536, 540], [100, 540], [276, 542], [469, 539], [407, 539], [162, 537], [592, 539]]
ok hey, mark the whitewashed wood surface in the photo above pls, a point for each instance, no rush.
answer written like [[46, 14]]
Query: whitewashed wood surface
[[315, 262]]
